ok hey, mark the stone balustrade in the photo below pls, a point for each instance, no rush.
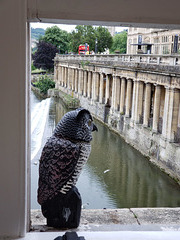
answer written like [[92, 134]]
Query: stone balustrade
[[169, 60]]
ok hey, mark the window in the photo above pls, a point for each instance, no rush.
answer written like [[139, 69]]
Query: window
[[156, 40], [165, 49]]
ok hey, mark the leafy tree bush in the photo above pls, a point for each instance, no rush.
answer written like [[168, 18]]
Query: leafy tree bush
[[104, 39], [88, 34], [57, 37], [33, 67], [81, 35], [119, 42], [43, 57], [44, 84]]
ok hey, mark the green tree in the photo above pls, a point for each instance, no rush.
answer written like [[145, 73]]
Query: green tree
[[104, 39], [76, 38], [44, 83], [57, 37], [88, 34], [119, 42], [81, 35]]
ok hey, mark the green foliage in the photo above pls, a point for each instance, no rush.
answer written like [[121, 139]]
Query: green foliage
[[82, 35], [70, 101], [32, 67], [104, 39], [88, 34], [83, 64], [119, 42], [38, 71], [57, 37], [44, 84]]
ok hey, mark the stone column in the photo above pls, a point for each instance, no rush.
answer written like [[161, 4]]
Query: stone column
[[113, 92], [56, 75], [69, 78], [174, 108], [166, 112], [65, 76], [89, 84], [76, 80], [156, 108], [134, 100], [80, 82], [59, 75], [171, 113], [139, 101], [147, 104], [117, 93], [122, 98], [95, 87], [62, 76], [107, 95], [73, 79], [128, 97], [85, 84], [101, 92]]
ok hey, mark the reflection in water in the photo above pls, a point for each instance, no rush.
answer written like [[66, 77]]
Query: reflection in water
[[116, 175], [132, 181]]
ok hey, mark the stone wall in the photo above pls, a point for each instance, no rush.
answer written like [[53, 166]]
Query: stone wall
[[162, 153]]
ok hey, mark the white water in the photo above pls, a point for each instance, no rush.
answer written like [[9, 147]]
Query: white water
[[39, 116]]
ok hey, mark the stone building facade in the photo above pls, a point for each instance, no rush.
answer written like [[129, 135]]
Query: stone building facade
[[140, 102], [153, 41]]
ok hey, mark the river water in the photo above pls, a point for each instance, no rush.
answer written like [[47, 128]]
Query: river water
[[116, 175]]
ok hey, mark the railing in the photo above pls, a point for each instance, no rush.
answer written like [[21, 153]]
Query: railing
[[168, 60]]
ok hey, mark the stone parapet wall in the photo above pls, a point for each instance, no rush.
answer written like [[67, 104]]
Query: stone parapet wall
[[171, 60]]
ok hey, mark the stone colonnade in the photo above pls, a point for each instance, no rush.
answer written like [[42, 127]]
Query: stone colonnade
[[151, 102]]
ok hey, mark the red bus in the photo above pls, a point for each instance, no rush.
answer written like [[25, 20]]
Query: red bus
[[83, 49]]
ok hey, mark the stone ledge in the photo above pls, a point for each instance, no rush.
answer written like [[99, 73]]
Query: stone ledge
[[134, 219]]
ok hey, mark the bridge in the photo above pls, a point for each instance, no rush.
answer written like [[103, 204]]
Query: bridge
[[138, 96]]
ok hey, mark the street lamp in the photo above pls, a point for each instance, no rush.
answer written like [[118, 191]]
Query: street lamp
[[96, 46]]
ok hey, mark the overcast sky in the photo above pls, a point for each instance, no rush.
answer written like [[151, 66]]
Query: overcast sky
[[66, 27]]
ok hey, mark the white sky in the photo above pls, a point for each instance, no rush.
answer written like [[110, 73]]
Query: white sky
[[66, 27]]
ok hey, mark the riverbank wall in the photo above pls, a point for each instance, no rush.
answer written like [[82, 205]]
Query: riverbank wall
[[138, 101], [159, 151]]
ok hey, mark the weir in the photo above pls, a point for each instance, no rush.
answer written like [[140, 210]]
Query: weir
[[137, 96]]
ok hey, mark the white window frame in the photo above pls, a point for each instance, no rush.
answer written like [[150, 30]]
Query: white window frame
[[15, 17]]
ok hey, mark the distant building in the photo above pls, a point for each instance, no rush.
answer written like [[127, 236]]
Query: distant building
[[153, 41], [111, 29]]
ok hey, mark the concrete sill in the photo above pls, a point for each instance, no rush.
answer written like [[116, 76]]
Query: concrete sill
[[134, 219], [108, 235]]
